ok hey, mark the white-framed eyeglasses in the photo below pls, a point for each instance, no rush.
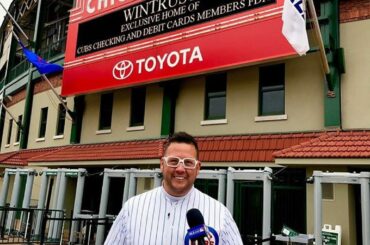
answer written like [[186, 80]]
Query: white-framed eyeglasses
[[174, 162]]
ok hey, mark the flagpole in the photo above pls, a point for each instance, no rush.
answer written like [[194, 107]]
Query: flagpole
[[11, 115], [53, 89], [16, 36], [15, 22], [58, 96], [317, 33]]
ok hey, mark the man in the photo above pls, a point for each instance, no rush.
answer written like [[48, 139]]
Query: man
[[159, 216]]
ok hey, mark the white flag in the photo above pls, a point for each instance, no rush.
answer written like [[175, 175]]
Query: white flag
[[294, 25]]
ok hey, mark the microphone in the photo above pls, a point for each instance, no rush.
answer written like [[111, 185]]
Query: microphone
[[198, 230]]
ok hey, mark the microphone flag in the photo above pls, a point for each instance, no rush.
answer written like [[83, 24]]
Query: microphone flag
[[211, 238], [41, 65], [294, 25], [197, 231]]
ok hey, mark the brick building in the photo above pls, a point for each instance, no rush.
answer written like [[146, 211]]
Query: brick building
[[274, 111]]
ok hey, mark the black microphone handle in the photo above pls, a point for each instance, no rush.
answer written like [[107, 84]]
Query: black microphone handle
[[195, 218]]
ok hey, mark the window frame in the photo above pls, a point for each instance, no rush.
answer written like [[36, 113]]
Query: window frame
[[106, 111], [61, 119], [275, 75], [137, 112], [43, 122], [213, 89], [18, 135], [10, 129]]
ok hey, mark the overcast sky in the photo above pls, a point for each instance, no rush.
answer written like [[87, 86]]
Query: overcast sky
[[6, 4]]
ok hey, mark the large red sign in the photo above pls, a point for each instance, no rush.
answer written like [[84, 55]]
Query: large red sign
[[196, 38]]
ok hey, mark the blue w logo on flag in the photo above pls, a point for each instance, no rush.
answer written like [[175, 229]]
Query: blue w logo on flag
[[41, 65], [294, 25], [299, 6]]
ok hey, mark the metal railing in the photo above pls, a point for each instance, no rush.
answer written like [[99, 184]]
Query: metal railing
[[87, 228], [255, 240], [19, 69], [54, 49], [23, 226], [19, 225]]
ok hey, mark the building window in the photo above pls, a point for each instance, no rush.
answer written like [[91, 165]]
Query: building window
[[215, 104], [20, 117], [43, 121], [272, 90], [327, 191], [137, 106], [148, 184], [106, 108], [9, 131], [61, 120]]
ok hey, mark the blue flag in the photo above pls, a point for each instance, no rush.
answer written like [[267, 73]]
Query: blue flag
[[42, 65]]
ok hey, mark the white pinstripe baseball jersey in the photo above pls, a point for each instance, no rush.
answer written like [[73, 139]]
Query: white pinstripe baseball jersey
[[156, 218]]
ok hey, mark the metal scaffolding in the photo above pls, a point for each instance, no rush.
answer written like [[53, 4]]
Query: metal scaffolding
[[30, 174], [58, 196], [362, 179], [256, 175], [131, 176]]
